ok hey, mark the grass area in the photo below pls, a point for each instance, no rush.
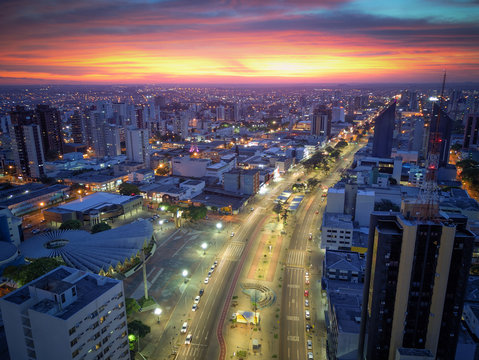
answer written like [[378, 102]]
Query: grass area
[[146, 302]]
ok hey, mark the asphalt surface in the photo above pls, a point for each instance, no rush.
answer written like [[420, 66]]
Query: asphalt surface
[[293, 334]]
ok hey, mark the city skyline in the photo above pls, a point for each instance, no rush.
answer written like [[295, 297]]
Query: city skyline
[[244, 42]]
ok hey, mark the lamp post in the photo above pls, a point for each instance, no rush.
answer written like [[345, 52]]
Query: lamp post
[[161, 223], [219, 226], [185, 274], [158, 312], [204, 246]]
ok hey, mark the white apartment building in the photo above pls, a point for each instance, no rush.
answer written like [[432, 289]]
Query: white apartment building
[[67, 314], [337, 231], [137, 145]]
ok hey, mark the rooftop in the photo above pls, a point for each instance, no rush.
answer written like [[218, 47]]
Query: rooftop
[[336, 220], [344, 260], [34, 194], [88, 288], [95, 200]]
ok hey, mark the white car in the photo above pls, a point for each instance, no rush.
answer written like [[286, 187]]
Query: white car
[[306, 303], [184, 327], [232, 234], [209, 273], [215, 264], [206, 280], [310, 356], [188, 339], [307, 315], [197, 299], [195, 307], [310, 344]]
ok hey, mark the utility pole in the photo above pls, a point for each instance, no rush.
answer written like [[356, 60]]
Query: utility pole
[[144, 272]]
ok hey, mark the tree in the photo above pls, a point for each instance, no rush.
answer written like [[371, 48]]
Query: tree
[[385, 205], [100, 227], [312, 183], [341, 144], [163, 170], [71, 225], [196, 212], [23, 274], [136, 327], [128, 189], [456, 147], [131, 306], [277, 208]]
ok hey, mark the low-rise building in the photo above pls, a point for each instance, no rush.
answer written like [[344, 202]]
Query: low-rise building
[[344, 265], [337, 231]]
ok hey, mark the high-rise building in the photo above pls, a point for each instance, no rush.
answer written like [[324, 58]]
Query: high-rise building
[[471, 131], [338, 114], [112, 140], [34, 148], [413, 104], [321, 122], [416, 277], [417, 139], [236, 112], [383, 132], [441, 124], [78, 128], [220, 113], [50, 123], [137, 145], [119, 113], [67, 314], [98, 124]]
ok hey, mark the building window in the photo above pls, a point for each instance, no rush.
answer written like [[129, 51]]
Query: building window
[[97, 346], [63, 298], [72, 330], [74, 291], [75, 353], [73, 342]]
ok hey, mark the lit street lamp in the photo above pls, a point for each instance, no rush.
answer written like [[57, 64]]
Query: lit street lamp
[[185, 274], [219, 226], [158, 312], [204, 246]]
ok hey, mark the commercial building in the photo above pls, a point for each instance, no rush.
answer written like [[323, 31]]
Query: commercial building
[[242, 181], [337, 231], [67, 314], [137, 145], [440, 129], [338, 114], [344, 266], [94, 208], [383, 132], [189, 167], [416, 277], [50, 123], [471, 131], [321, 122]]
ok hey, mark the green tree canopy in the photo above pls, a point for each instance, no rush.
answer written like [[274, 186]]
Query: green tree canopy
[[277, 208], [341, 144], [100, 227], [195, 212], [456, 147], [71, 225], [23, 274], [131, 306], [312, 183], [128, 189], [136, 327]]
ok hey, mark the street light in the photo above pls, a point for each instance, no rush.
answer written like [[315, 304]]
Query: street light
[[158, 312], [185, 274], [219, 226], [204, 246]]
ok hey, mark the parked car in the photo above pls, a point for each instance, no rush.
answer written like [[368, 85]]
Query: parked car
[[307, 315], [188, 339], [195, 307], [306, 303], [197, 299], [309, 343], [202, 291], [184, 327], [310, 356], [206, 280], [306, 293]]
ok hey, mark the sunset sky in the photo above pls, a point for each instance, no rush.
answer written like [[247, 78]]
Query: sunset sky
[[250, 41]]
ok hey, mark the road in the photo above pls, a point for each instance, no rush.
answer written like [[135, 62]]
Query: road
[[293, 333]]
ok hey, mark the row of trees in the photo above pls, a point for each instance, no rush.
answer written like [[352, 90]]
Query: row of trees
[[23, 274], [77, 225], [470, 172], [321, 159]]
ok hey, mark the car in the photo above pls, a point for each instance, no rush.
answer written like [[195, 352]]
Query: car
[[35, 231], [215, 263], [309, 344], [306, 281], [233, 316], [41, 222], [28, 226], [310, 236], [306, 293], [202, 292], [206, 280], [184, 327], [306, 273], [209, 273], [194, 307], [308, 327], [306, 303], [252, 209], [212, 268], [307, 315], [197, 299], [310, 356], [188, 339], [317, 212]]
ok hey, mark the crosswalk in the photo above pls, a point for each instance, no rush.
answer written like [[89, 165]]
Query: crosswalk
[[234, 250], [296, 258]]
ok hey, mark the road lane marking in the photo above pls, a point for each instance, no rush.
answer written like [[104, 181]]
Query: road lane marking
[[293, 338], [292, 318]]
